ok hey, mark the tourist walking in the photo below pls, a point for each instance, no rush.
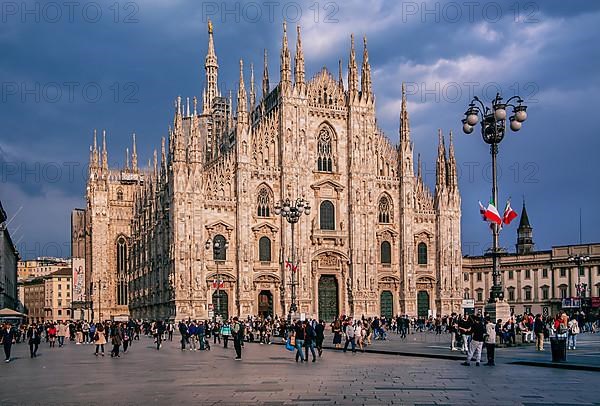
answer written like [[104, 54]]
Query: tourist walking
[[573, 331], [99, 339], [299, 334], [490, 341], [225, 332], [116, 340], [538, 329], [51, 334], [320, 336], [309, 340], [7, 339], [350, 337], [34, 339], [337, 333], [61, 331], [477, 331]]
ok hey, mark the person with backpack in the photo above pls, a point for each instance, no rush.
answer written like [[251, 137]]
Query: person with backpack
[[573, 331]]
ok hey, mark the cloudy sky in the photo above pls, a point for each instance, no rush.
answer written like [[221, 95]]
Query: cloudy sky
[[70, 67]]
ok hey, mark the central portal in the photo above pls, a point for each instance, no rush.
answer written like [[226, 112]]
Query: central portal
[[423, 304], [328, 298], [265, 304]]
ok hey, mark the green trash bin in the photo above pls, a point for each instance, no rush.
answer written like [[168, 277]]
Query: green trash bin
[[558, 345]]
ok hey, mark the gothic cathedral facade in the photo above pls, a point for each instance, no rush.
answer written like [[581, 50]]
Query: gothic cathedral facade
[[376, 242]]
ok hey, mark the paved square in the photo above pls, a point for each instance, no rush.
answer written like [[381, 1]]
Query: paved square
[[269, 375]]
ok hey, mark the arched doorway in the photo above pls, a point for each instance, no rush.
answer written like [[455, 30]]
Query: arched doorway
[[387, 304], [328, 298], [423, 303], [265, 303], [221, 304]]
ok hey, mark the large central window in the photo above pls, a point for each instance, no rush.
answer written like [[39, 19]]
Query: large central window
[[121, 271], [324, 150]]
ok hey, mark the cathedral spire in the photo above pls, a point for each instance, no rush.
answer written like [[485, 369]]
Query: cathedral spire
[[163, 158], [352, 70], [265, 81], [452, 178], [212, 70], [230, 111], [419, 167], [95, 157], [340, 77], [127, 158], [299, 67], [134, 157], [404, 120], [365, 84], [285, 71], [524, 233], [242, 100], [440, 180], [252, 92], [104, 151]]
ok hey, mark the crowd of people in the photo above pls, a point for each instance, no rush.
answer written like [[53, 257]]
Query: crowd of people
[[468, 333]]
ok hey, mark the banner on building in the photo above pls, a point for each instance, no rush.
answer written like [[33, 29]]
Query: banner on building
[[78, 279], [571, 303], [468, 303]]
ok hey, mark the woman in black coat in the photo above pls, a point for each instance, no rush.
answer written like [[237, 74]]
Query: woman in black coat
[[34, 338]]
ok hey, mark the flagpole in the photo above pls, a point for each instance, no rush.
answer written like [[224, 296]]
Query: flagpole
[[496, 291]]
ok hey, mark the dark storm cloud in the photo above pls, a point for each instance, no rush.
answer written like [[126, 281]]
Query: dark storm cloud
[[63, 77]]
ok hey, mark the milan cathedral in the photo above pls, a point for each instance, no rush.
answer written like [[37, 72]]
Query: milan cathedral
[[377, 242]]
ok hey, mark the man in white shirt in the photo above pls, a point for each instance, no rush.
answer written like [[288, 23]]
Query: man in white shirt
[[490, 341]]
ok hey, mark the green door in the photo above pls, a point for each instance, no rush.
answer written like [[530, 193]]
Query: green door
[[423, 303], [387, 304], [328, 298], [265, 303]]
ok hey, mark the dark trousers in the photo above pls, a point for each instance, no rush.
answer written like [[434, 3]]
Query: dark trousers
[[348, 341], [238, 347], [33, 347], [183, 340], [115, 350], [98, 347], [225, 339], [125, 346], [319, 344], [170, 336], [7, 347], [158, 341], [309, 344], [491, 352]]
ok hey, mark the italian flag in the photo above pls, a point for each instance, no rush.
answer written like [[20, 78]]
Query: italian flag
[[509, 213], [490, 213]]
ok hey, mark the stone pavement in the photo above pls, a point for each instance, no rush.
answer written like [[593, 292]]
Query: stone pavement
[[269, 375], [428, 344]]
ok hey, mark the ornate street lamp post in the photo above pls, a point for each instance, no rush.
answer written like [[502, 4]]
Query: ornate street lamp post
[[581, 287], [493, 128], [101, 286], [292, 211], [217, 246]]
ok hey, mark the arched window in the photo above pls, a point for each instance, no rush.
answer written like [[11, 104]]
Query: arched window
[[327, 215], [422, 253], [386, 253], [119, 194], [263, 202], [219, 249], [121, 271], [384, 210], [324, 150], [264, 249]]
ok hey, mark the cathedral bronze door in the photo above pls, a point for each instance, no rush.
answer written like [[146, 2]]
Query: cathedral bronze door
[[221, 304], [423, 304], [387, 304], [328, 298], [265, 303]]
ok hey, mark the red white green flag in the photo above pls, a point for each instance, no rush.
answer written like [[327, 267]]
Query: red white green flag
[[509, 213], [490, 213]]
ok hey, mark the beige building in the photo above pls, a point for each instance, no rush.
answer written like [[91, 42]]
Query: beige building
[[42, 266], [34, 299], [537, 281], [377, 241], [57, 295]]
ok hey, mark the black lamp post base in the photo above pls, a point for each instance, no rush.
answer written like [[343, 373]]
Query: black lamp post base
[[499, 310]]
